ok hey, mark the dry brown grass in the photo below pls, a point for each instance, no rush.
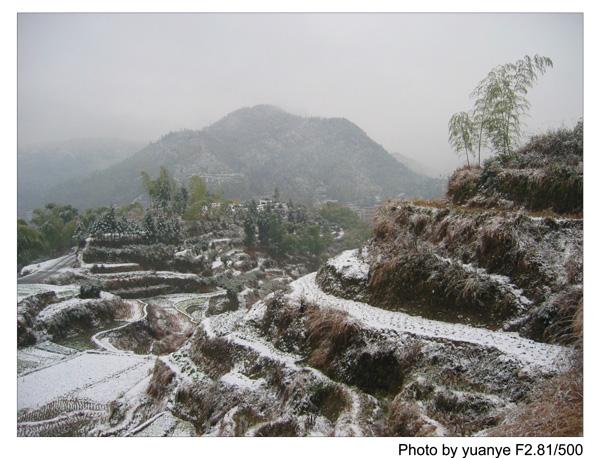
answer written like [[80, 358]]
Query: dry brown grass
[[487, 205], [331, 400], [162, 376], [555, 411], [403, 420], [215, 354], [279, 314], [497, 246], [567, 327], [282, 322], [574, 269], [198, 402], [577, 324], [330, 332], [437, 203], [463, 184], [413, 277], [163, 331], [418, 223], [382, 276], [244, 419], [282, 428], [383, 228]]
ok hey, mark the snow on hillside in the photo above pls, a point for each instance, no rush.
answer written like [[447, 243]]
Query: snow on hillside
[[533, 355], [350, 264], [42, 266], [62, 291]]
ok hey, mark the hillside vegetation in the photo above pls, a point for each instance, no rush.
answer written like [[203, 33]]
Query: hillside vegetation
[[505, 252], [250, 152], [544, 174]]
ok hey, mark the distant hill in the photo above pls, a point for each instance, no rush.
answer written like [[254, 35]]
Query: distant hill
[[44, 166], [252, 151], [416, 165]]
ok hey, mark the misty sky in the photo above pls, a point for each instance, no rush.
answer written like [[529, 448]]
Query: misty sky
[[397, 76]]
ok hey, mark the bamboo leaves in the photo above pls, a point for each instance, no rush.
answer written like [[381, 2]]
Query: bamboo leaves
[[460, 134], [500, 101]]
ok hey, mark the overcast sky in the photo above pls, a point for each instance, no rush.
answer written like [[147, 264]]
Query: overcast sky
[[397, 76]]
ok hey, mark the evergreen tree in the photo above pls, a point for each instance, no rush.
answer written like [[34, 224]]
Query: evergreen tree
[[249, 232], [57, 225], [161, 190], [181, 201], [29, 242], [149, 226]]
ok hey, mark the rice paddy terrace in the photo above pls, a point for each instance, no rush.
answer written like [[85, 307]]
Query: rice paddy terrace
[[338, 352]]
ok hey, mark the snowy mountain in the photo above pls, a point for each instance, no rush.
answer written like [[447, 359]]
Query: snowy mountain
[[252, 151]]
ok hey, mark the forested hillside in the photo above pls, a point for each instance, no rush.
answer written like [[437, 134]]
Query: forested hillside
[[252, 151]]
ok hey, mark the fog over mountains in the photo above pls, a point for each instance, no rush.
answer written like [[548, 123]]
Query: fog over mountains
[[43, 166], [246, 154]]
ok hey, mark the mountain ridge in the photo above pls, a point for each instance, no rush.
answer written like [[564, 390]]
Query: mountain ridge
[[253, 150]]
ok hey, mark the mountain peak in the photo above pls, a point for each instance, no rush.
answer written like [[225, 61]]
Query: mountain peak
[[253, 119], [262, 110]]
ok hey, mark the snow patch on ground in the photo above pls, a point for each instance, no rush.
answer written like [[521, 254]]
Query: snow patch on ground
[[184, 253], [501, 280], [143, 273], [350, 265], [100, 377], [30, 289], [42, 266], [349, 420], [117, 265], [239, 380], [74, 302], [164, 424], [41, 355]]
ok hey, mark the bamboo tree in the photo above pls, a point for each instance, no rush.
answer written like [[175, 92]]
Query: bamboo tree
[[500, 101], [460, 134]]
